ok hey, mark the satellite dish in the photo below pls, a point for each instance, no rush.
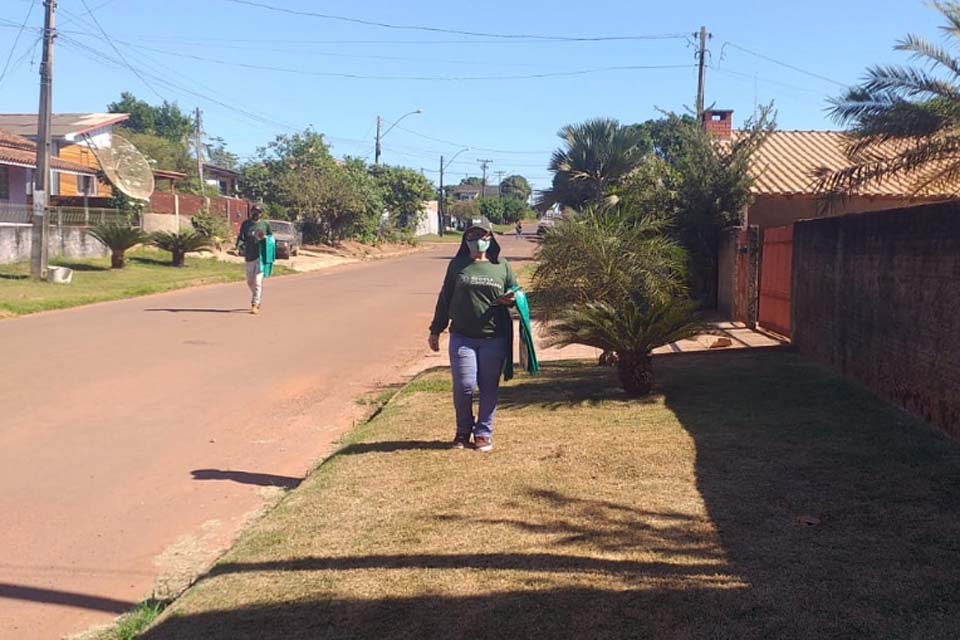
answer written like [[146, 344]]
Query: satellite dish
[[126, 168]]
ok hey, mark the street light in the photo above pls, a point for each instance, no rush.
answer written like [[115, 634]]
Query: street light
[[381, 135], [442, 196]]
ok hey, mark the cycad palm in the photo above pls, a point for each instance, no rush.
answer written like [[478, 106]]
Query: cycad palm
[[179, 244], [632, 331], [595, 156], [905, 121], [118, 238]]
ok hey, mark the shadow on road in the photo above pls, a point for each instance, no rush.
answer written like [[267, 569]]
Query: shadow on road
[[201, 310], [245, 477], [63, 598]]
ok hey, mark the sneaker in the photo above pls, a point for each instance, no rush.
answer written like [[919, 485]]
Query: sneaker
[[483, 444], [255, 309], [460, 442]]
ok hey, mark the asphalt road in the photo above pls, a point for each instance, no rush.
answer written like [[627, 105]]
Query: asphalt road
[[138, 437]]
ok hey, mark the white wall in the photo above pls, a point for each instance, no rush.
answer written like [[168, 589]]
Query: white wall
[[429, 221]]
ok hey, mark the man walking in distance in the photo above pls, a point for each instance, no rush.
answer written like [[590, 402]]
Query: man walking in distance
[[251, 237]]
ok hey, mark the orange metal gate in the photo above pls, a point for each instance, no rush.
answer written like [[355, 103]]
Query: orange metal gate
[[776, 270]]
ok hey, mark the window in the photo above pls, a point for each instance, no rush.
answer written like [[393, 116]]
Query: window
[[87, 185], [4, 182]]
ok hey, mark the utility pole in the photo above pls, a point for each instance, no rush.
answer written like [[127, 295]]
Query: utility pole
[[701, 80], [198, 143], [500, 183], [376, 157], [483, 185], [41, 179], [441, 200]]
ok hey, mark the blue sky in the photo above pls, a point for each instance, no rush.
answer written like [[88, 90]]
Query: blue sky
[[509, 120]]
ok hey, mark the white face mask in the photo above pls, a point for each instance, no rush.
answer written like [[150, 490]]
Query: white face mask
[[479, 246]]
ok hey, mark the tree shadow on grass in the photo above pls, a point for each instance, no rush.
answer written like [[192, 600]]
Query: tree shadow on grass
[[13, 276], [150, 261], [391, 447], [80, 266], [684, 591], [779, 439], [569, 384], [556, 613]]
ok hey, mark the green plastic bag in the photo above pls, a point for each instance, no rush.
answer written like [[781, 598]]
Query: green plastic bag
[[268, 255], [528, 353]]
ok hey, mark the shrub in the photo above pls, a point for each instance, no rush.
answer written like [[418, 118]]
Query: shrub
[[211, 226], [179, 244], [118, 238]]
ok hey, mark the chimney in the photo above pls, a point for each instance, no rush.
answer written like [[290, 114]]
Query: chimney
[[718, 123]]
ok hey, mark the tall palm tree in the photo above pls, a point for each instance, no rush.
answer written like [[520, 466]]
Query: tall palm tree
[[905, 121], [595, 156]]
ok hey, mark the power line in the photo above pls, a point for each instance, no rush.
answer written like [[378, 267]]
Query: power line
[[400, 27], [117, 51], [459, 144], [354, 76], [787, 65], [16, 41], [750, 76]]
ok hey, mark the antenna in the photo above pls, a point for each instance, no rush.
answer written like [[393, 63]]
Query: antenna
[[125, 167]]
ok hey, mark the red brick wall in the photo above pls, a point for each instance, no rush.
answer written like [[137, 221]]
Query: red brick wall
[[877, 297]]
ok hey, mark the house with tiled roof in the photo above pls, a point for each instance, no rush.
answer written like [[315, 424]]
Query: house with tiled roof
[[785, 170], [18, 158], [74, 136]]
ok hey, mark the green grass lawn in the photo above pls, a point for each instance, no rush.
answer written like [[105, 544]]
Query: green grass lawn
[[147, 271], [754, 497]]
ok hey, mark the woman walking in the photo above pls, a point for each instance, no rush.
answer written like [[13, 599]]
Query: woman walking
[[472, 301]]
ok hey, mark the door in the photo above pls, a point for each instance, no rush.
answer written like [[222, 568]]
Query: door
[[776, 271]]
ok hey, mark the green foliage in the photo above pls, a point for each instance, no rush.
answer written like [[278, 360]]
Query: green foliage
[[502, 210], [166, 120], [904, 121], [610, 256], [131, 624], [707, 186], [472, 180], [515, 210], [516, 187], [491, 209], [118, 238], [179, 244], [211, 225], [464, 210], [632, 330], [596, 156], [216, 148], [403, 192], [297, 178]]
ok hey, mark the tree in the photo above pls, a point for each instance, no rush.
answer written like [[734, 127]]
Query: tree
[[632, 331], [217, 153], [465, 210], [118, 238], [712, 182], [905, 121], [596, 155], [472, 181], [180, 244], [610, 256], [165, 120], [516, 187], [404, 193], [491, 209], [514, 209]]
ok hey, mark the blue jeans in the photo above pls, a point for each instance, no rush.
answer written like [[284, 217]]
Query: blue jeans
[[476, 362]]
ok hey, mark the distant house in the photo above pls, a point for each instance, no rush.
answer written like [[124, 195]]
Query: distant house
[[18, 157], [225, 180], [74, 136], [784, 169], [472, 192]]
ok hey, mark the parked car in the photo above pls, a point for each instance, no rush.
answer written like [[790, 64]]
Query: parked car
[[287, 237], [547, 223]]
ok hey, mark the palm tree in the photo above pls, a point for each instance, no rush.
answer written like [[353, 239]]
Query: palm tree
[[632, 331], [595, 156], [180, 244], [905, 121], [608, 256], [118, 238]]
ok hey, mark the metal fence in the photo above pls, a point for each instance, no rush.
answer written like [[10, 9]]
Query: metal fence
[[67, 216]]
